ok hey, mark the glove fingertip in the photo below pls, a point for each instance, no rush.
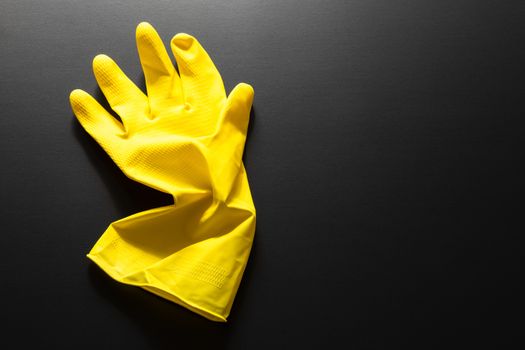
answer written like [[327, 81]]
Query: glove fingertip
[[245, 93], [182, 41], [100, 59], [102, 66], [147, 37], [77, 100], [75, 95], [144, 29]]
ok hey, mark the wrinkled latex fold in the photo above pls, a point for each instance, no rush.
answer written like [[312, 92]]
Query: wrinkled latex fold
[[185, 138]]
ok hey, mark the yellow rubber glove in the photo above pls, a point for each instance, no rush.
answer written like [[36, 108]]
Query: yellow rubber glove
[[184, 138]]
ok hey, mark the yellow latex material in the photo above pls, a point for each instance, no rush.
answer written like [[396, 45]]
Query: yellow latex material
[[184, 138]]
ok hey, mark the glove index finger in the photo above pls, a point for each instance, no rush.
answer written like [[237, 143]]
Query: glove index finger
[[94, 118], [200, 78]]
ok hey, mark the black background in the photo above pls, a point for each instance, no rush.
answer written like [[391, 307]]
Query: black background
[[384, 157]]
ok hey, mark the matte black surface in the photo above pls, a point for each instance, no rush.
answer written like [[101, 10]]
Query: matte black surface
[[384, 157]]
